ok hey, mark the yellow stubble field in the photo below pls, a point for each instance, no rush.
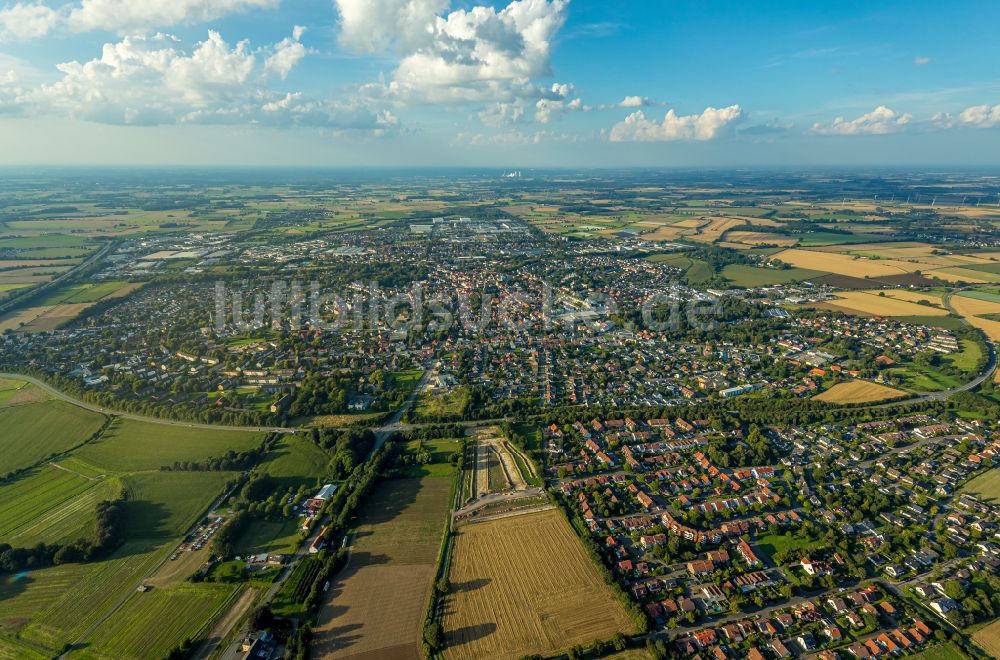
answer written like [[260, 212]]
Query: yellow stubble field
[[524, 585], [858, 391], [971, 307], [870, 303], [844, 264]]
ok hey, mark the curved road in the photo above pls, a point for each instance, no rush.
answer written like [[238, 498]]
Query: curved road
[[62, 396]]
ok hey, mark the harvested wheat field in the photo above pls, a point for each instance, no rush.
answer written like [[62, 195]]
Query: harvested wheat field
[[970, 307], [959, 274], [844, 264], [663, 234], [945, 275], [716, 229], [56, 316], [885, 249], [375, 606], [858, 391], [910, 296], [761, 238], [523, 585], [988, 638], [868, 303]]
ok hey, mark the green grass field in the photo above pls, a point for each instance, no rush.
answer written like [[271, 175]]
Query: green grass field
[[696, 271], [295, 461], [986, 485], [95, 292], [163, 505], [946, 651], [130, 445], [772, 543], [150, 624], [440, 466], [753, 276], [922, 379], [32, 496], [34, 431], [70, 520], [44, 241], [969, 356], [270, 536], [81, 293], [991, 294], [56, 605], [406, 381], [946, 322]]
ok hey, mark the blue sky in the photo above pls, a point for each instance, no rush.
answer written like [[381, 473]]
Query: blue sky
[[524, 83]]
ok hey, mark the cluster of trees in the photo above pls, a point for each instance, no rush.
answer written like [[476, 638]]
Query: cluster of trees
[[348, 447], [979, 600], [231, 461], [297, 647], [318, 394], [754, 449], [343, 505], [108, 535], [223, 544]]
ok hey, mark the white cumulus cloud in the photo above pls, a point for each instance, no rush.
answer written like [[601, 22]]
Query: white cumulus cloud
[[125, 16], [980, 116], [25, 21], [469, 55], [503, 114], [705, 126], [150, 80], [375, 25], [545, 109], [288, 53], [635, 102], [880, 121]]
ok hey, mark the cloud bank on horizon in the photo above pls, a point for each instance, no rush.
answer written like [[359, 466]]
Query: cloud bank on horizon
[[518, 72]]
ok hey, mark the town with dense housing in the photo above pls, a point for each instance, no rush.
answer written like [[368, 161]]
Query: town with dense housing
[[330, 421]]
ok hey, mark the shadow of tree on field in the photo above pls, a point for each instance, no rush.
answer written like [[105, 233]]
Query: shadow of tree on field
[[467, 634], [12, 586], [470, 585], [390, 500], [146, 520]]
